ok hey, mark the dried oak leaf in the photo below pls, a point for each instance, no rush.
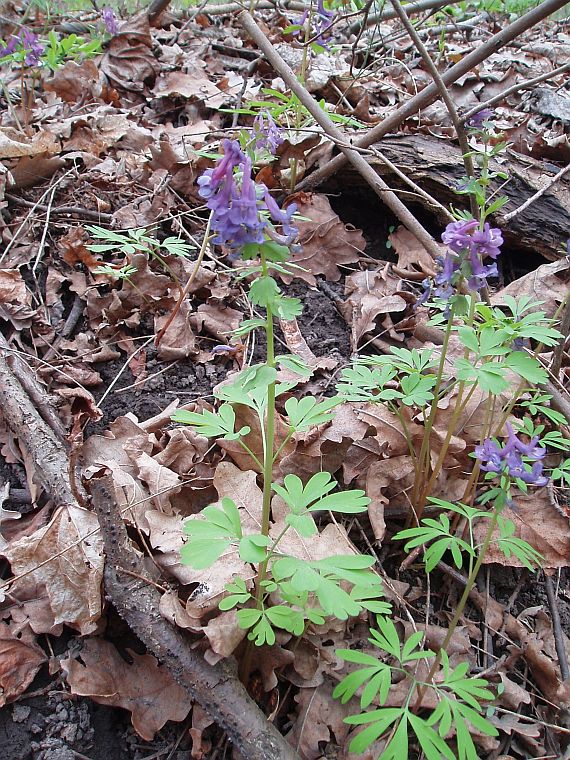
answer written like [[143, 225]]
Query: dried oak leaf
[[20, 660], [72, 579], [319, 721], [326, 242], [413, 259], [179, 341], [548, 283], [129, 63], [148, 691], [537, 522]]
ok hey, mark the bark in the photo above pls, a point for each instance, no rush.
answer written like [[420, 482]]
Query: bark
[[216, 688], [437, 167], [35, 437]]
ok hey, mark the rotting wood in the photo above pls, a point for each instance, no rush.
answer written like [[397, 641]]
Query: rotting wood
[[35, 437], [216, 688], [436, 167]]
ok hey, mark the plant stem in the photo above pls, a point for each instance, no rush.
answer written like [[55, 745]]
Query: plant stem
[[462, 602], [268, 456], [423, 459]]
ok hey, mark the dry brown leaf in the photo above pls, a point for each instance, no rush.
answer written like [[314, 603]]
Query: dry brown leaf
[[129, 63], [548, 283], [218, 320], [412, 256], [178, 341], [20, 660], [319, 720], [148, 691], [297, 345], [369, 295], [537, 522], [72, 580], [160, 481], [325, 241]]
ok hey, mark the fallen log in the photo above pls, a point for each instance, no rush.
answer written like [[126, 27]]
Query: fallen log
[[437, 168]]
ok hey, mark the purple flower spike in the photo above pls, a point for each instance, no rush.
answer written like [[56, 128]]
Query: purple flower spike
[[457, 235], [488, 241], [266, 133], [243, 210], [9, 48], [509, 458], [110, 21], [33, 47], [476, 121]]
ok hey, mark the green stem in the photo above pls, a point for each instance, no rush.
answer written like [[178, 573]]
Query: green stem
[[423, 458], [462, 602]]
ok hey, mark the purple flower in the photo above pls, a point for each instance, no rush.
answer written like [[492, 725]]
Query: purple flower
[[468, 246], [457, 235], [476, 121], [33, 47], [110, 21], [426, 293], [487, 242], [9, 48], [242, 208], [509, 458], [321, 21], [26, 42], [266, 135]]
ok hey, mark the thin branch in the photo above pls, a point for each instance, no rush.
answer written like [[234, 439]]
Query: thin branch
[[445, 96], [527, 84], [429, 94], [544, 189], [321, 117], [557, 628]]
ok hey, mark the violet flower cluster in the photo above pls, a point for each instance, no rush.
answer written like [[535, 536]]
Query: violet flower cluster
[[266, 133], [244, 211], [509, 458], [110, 21], [322, 20], [478, 119], [28, 43], [468, 245]]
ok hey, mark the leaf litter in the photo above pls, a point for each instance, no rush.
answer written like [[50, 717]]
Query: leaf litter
[[151, 111]]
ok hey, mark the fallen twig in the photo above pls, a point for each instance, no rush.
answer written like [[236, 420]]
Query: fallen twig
[[96, 216], [557, 628], [545, 188], [216, 688], [524, 85], [321, 117], [431, 93], [34, 434]]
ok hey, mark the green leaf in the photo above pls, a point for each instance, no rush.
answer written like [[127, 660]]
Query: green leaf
[[287, 308], [294, 364], [303, 524], [306, 412], [263, 291], [201, 553], [286, 618], [212, 424], [527, 367], [252, 548], [381, 720]]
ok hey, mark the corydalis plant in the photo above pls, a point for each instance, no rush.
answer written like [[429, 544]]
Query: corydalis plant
[[289, 593]]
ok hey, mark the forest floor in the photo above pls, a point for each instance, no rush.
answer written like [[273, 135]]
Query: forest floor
[[116, 141]]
